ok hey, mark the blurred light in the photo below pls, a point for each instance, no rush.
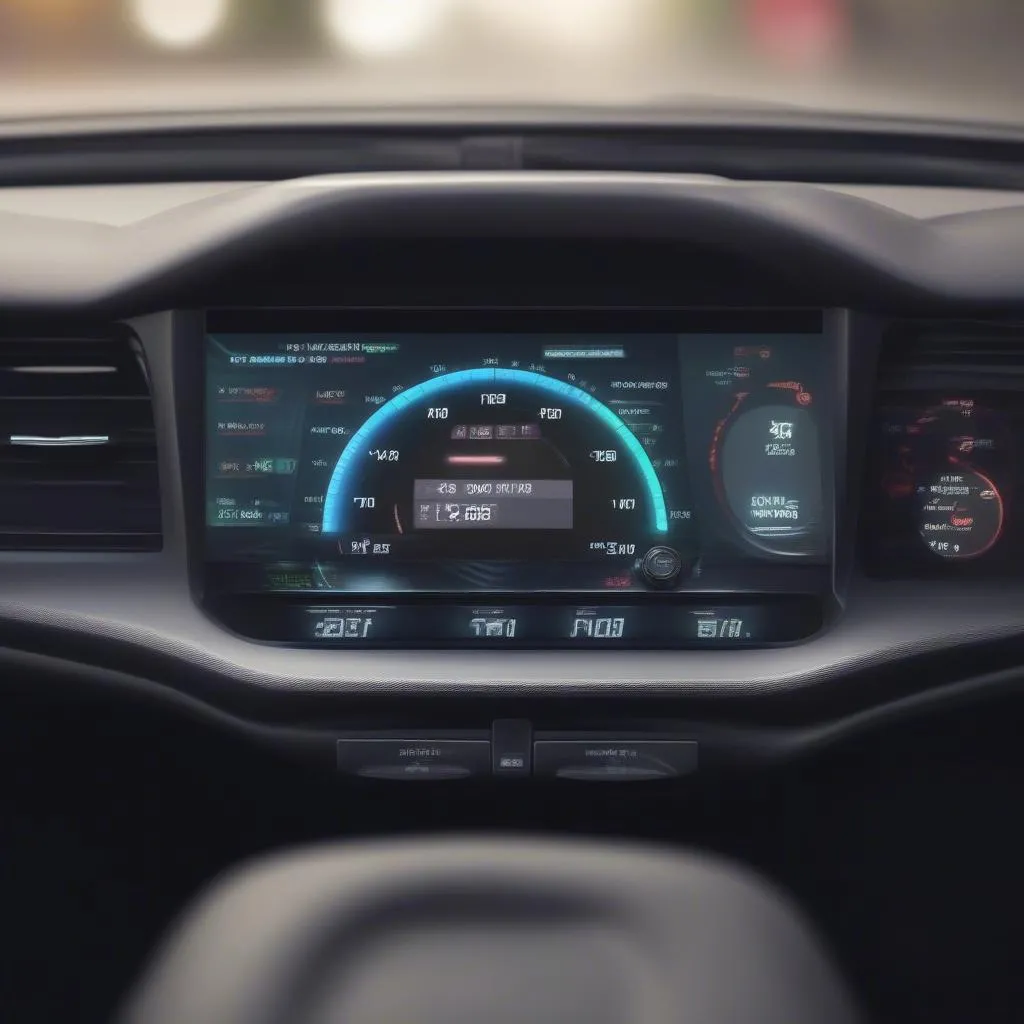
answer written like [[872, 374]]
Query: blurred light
[[179, 24], [798, 33], [56, 13], [570, 24], [379, 28]]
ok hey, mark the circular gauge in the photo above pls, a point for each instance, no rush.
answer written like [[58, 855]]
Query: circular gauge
[[497, 463], [767, 468], [961, 514]]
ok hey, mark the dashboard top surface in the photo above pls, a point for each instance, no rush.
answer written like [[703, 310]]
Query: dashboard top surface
[[50, 263]]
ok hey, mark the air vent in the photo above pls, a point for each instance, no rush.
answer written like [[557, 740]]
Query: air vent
[[951, 351], [78, 469]]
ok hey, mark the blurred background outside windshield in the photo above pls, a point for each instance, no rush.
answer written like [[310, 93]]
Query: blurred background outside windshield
[[937, 58]]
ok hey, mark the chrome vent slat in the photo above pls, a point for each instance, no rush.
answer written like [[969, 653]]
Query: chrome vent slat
[[78, 465]]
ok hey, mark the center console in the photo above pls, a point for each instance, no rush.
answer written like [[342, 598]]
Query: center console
[[509, 478]]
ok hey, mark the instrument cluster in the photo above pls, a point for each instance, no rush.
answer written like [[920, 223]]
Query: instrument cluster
[[411, 476], [943, 486]]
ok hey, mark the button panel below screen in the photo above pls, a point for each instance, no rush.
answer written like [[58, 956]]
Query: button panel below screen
[[614, 760], [512, 752], [497, 625], [414, 759]]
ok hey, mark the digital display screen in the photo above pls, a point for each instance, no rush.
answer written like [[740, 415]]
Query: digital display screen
[[944, 482], [679, 622], [377, 458], [569, 625]]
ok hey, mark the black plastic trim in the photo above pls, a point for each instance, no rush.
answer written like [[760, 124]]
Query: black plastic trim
[[771, 145]]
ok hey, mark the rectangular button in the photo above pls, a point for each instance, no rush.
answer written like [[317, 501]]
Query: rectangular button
[[511, 746], [412, 760], [611, 760]]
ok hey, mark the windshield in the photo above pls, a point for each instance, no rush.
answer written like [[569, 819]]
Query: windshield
[[956, 59]]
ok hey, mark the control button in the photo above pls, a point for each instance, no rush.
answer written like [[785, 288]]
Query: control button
[[661, 565], [614, 760], [511, 747], [414, 759]]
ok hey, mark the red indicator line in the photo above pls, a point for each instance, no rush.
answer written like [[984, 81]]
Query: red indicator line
[[475, 460]]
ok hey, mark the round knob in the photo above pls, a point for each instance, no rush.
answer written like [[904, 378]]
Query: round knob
[[661, 565]]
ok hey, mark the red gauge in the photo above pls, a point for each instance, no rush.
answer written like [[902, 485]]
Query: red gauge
[[944, 479], [960, 509], [961, 513]]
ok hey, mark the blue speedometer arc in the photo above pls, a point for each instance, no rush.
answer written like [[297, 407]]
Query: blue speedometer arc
[[338, 490]]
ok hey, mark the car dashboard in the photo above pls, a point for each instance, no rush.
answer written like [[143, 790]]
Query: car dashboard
[[604, 476]]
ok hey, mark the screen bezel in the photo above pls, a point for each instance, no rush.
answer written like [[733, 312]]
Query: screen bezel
[[535, 320], [778, 577]]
